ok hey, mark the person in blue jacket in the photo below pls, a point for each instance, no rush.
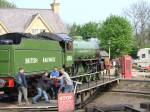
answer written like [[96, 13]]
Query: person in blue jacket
[[22, 86], [54, 73]]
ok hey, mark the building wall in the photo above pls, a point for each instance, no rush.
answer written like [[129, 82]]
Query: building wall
[[2, 30], [144, 57], [37, 27]]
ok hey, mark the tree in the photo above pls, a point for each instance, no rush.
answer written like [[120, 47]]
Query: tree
[[6, 4], [134, 50], [87, 30], [73, 29], [139, 14], [118, 31]]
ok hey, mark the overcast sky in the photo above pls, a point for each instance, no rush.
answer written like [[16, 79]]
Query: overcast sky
[[80, 11]]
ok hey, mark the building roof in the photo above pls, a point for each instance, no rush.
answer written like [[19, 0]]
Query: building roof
[[17, 19]]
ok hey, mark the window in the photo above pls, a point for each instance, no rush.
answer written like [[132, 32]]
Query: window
[[69, 46], [36, 31], [143, 55], [148, 51]]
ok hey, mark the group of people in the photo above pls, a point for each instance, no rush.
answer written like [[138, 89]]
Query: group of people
[[58, 81]]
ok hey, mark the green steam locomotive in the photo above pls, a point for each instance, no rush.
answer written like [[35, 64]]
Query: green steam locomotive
[[37, 53]]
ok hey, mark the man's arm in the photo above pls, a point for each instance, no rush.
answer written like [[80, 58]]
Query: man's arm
[[46, 78]]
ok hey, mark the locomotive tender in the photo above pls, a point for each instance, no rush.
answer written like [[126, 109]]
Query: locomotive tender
[[37, 53]]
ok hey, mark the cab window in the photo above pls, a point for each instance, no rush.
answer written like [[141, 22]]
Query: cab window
[[69, 46]]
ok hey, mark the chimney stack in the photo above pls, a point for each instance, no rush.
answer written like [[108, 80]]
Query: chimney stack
[[55, 6]]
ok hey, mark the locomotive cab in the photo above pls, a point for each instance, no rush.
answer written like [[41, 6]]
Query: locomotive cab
[[67, 47], [68, 54]]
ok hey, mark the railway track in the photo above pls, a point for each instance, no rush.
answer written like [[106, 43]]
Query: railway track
[[113, 108], [133, 86], [131, 91], [41, 106], [33, 109]]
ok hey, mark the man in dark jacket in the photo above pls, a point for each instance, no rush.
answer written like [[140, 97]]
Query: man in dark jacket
[[41, 88], [22, 86]]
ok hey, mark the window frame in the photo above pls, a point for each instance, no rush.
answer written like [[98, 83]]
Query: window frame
[[143, 56], [36, 31], [69, 46], [149, 52]]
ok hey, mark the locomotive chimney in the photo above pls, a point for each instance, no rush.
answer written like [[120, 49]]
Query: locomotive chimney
[[55, 6]]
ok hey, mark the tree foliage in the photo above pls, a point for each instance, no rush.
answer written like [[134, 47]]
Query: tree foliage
[[139, 14], [6, 4], [118, 31], [87, 30]]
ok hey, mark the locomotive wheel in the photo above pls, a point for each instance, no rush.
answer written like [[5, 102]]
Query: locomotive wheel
[[78, 69], [85, 79], [98, 76], [93, 77], [90, 78]]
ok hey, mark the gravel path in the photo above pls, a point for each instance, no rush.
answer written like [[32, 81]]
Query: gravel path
[[114, 98]]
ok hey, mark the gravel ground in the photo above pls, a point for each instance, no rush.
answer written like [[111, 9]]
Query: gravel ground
[[114, 98], [119, 98], [140, 75]]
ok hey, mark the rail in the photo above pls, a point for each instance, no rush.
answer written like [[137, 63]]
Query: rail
[[79, 76], [130, 91], [29, 108], [97, 84]]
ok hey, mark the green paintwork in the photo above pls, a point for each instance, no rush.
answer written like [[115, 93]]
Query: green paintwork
[[33, 55], [36, 55], [68, 57], [83, 49], [77, 37]]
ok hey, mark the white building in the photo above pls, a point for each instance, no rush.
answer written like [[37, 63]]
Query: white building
[[144, 57]]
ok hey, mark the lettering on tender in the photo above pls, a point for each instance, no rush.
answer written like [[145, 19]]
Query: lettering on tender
[[49, 59], [36, 60], [31, 60]]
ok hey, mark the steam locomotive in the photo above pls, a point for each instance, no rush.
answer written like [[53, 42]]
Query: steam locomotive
[[37, 53]]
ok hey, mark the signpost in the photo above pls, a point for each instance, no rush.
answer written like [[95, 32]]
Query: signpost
[[66, 102]]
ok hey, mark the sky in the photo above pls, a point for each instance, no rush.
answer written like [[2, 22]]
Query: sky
[[81, 11]]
